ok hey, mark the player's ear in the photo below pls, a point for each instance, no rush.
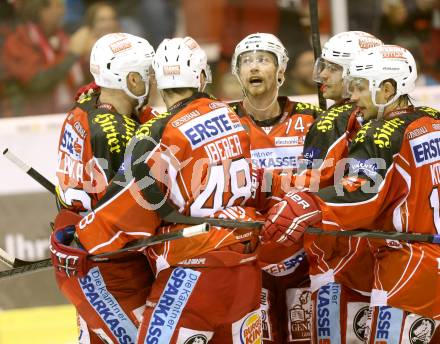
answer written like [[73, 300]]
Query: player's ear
[[280, 77], [134, 80], [389, 89]]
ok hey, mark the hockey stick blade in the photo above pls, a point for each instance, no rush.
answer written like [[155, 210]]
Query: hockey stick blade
[[21, 266]]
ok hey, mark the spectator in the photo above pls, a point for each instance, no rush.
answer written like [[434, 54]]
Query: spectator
[[395, 26], [41, 62], [100, 18], [299, 80], [426, 23], [8, 21]]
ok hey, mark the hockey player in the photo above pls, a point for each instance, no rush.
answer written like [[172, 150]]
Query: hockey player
[[389, 184], [327, 143], [90, 152], [335, 261], [329, 136], [194, 160], [277, 128]]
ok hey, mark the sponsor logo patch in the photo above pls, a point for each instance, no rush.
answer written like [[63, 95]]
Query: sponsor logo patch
[[364, 167], [185, 118], [121, 45], [360, 322], [273, 158], [416, 132], [327, 314], [426, 148], [216, 105], [107, 308], [191, 43], [72, 143], [171, 70], [393, 52], [170, 306], [311, 153], [266, 325], [289, 141], [327, 121], [382, 135], [197, 339], [369, 42], [212, 126], [193, 261], [79, 129], [299, 301], [422, 331], [287, 266], [94, 68], [393, 243], [389, 324], [250, 330]]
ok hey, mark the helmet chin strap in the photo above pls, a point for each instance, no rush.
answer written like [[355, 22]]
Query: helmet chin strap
[[140, 99], [381, 107]]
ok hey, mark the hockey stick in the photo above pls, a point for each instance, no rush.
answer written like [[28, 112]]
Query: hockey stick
[[29, 170], [316, 42], [22, 266], [175, 217], [371, 234]]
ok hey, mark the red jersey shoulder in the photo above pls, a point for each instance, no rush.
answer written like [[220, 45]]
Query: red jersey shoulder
[[74, 133], [205, 120], [303, 108]]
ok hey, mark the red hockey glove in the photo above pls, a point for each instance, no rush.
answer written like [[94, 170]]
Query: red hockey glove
[[288, 219], [67, 261], [86, 90], [66, 218]]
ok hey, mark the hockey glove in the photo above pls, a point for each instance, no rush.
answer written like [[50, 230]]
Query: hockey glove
[[86, 90], [67, 261], [288, 219]]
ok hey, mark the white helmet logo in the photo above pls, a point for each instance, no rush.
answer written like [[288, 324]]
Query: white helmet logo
[[171, 70], [119, 46]]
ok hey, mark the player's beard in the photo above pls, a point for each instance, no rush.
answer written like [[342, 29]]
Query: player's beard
[[264, 90]]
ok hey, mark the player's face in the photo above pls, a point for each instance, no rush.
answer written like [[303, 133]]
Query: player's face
[[258, 72], [360, 94], [331, 76]]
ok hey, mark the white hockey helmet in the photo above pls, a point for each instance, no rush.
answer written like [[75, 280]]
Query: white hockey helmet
[[341, 49], [263, 42], [115, 55], [382, 63], [179, 62]]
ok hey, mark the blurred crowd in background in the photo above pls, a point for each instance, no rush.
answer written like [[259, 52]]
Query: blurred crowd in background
[[45, 44]]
